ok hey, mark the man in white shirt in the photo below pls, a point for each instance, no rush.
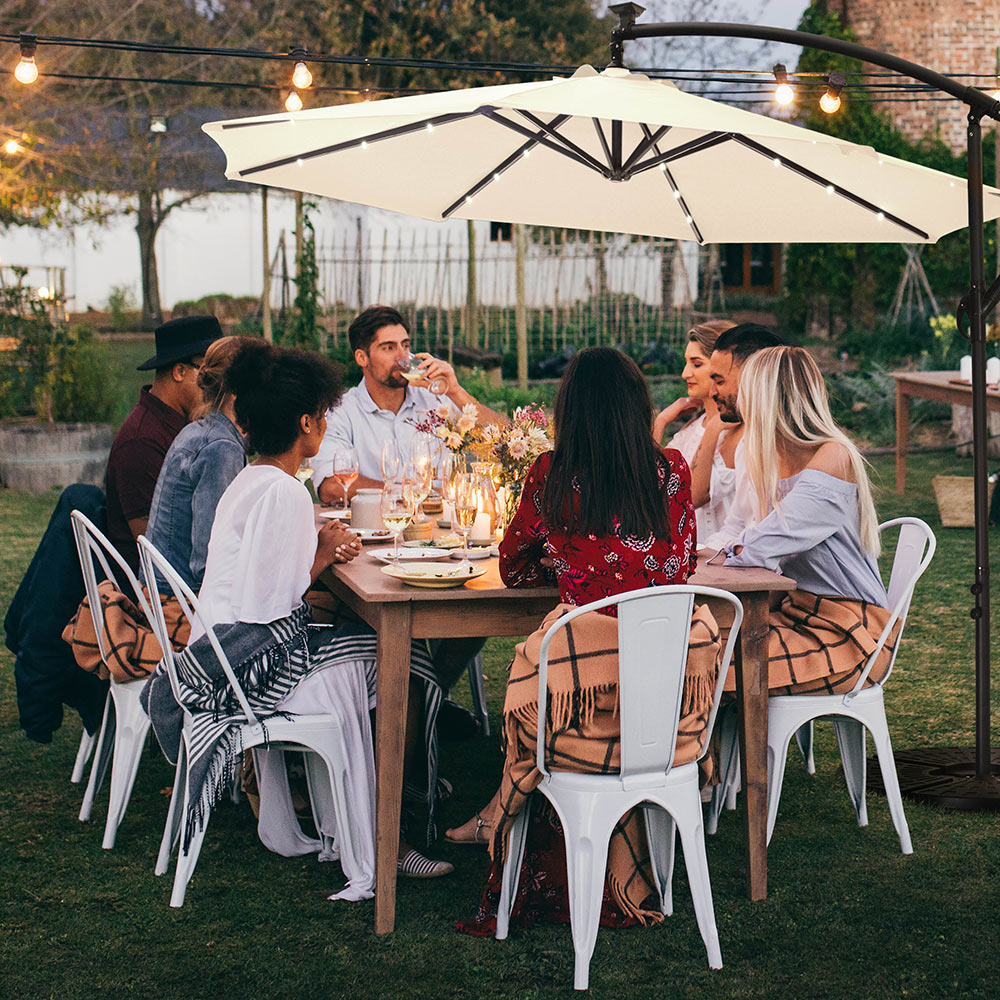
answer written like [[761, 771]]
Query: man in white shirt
[[731, 351], [383, 407]]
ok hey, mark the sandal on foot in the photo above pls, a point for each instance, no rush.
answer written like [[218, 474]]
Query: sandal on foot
[[480, 836], [414, 865]]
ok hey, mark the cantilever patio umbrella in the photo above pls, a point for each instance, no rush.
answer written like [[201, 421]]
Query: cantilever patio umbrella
[[613, 151]]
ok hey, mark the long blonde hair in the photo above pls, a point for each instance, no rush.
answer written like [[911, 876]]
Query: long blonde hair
[[783, 400]]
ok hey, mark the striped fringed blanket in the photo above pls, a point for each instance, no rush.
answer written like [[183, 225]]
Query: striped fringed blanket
[[584, 729], [268, 660], [132, 647], [820, 645]]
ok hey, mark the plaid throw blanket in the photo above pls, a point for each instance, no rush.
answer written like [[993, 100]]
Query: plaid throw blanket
[[133, 651], [820, 645], [583, 732], [268, 660]]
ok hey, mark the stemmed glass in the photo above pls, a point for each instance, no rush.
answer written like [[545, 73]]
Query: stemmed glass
[[396, 509], [466, 509], [410, 369], [420, 471], [345, 469], [391, 462]]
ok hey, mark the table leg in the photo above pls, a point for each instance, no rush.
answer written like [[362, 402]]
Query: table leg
[[751, 692], [902, 435], [394, 630]]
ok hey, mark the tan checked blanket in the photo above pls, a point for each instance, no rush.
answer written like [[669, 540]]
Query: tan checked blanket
[[584, 729], [820, 645], [133, 651]]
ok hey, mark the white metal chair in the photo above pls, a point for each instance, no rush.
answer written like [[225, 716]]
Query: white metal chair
[[477, 685], [125, 725], [322, 734], [87, 743], [653, 633], [852, 714]]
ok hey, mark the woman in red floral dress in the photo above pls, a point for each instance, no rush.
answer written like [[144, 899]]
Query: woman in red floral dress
[[606, 512]]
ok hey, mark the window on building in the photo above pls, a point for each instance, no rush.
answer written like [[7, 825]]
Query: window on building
[[751, 267], [500, 232]]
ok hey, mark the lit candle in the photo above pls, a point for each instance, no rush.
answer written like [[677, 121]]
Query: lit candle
[[965, 368], [481, 529], [448, 512]]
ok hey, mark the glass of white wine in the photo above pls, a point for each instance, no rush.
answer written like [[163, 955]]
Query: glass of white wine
[[466, 509], [396, 509], [391, 462], [409, 368], [345, 469]]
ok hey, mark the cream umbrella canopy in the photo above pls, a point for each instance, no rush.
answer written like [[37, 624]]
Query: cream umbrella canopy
[[614, 151]]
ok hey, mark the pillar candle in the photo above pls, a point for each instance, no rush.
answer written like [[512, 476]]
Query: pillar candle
[[481, 529]]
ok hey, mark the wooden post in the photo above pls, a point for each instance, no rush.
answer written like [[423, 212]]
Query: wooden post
[[520, 318], [361, 268], [265, 298]]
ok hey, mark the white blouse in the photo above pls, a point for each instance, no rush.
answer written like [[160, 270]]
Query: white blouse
[[711, 515], [261, 549]]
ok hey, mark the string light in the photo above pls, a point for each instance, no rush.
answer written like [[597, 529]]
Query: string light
[[293, 102], [784, 93], [12, 147], [26, 71], [301, 77], [830, 101]]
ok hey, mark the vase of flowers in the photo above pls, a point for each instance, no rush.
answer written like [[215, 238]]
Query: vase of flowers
[[457, 433], [513, 449]]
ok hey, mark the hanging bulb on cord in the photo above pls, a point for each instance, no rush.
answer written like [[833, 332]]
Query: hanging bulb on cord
[[784, 93], [293, 102], [26, 71], [830, 101], [301, 77]]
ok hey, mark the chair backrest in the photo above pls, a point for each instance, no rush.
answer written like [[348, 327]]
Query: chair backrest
[[914, 551], [654, 627], [92, 546], [154, 563]]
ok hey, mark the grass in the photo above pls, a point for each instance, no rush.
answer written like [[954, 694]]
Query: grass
[[846, 916]]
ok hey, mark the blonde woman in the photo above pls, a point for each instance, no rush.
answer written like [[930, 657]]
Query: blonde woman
[[818, 526], [713, 475]]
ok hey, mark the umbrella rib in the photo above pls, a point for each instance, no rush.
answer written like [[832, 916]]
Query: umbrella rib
[[647, 143], [604, 140], [363, 140], [682, 204], [686, 149], [541, 139], [494, 174], [551, 131], [829, 185]]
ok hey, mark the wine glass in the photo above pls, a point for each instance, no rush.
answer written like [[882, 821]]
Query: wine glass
[[449, 466], [305, 471], [397, 509], [410, 369], [345, 469], [418, 478], [466, 509], [391, 462]]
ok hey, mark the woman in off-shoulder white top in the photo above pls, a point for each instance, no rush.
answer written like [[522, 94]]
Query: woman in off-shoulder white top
[[712, 482]]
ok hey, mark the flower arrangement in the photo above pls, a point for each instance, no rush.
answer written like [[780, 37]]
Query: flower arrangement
[[513, 449], [455, 433]]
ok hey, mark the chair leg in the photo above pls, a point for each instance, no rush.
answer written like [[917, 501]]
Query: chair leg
[[729, 770], [516, 840], [804, 738], [86, 748], [102, 758], [851, 741], [131, 729], [692, 833], [887, 764], [777, 755], [661, 834], [172, 827], [187, 858], [587, 838], [478, 688]]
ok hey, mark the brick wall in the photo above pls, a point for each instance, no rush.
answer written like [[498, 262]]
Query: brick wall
[[949, 36]]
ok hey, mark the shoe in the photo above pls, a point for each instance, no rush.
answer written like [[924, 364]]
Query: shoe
[[481, 836], [414, 865]]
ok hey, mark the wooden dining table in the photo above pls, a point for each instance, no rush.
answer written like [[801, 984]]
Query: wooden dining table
[[485, 607]]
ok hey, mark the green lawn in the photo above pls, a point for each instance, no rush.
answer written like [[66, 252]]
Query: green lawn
[[847, 915]]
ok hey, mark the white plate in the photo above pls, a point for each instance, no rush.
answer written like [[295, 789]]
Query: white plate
[[482, 552], [371, 536], [335, 515], [424, 555], [433, 575], [444, 543]]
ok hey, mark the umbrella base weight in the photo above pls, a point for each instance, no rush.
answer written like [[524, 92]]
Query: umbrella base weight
[[943, 777]]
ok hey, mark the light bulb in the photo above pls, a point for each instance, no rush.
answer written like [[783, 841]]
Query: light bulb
[[26, 71], [301, 77], [784, 94], [12, 146], [830, 103], [293, 102], [44, 292]]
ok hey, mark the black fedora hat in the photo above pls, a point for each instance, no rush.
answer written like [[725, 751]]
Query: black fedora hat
[[181, 339]]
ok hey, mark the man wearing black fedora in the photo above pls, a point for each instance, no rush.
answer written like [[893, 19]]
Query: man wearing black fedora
[[148, 431]]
